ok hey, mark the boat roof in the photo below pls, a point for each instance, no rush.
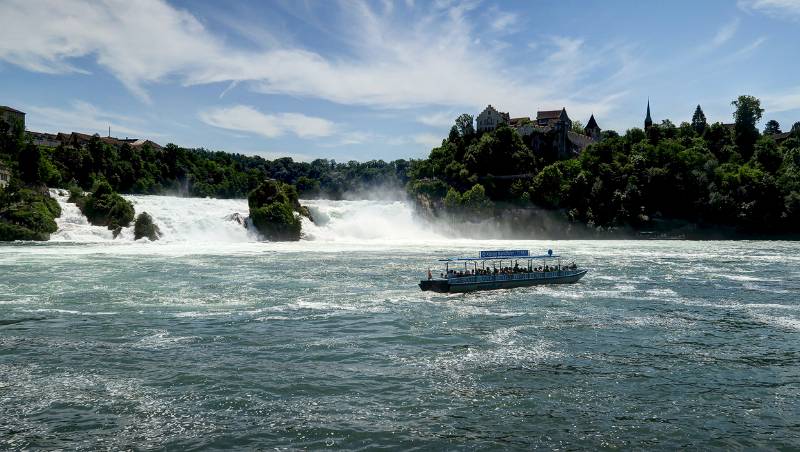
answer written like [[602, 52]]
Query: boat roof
[[494, 255]]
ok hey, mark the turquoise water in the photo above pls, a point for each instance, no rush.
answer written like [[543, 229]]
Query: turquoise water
[[331, 345]]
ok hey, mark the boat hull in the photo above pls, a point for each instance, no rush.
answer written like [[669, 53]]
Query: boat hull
[[493, 282]]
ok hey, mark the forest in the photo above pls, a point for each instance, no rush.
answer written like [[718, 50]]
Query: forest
[[712, 175]]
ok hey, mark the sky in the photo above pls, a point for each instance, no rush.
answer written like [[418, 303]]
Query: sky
[[364, 80]]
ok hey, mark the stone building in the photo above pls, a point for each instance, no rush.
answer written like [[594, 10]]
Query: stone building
[[44, 139], [549, 133], [552, 134], [592, 130], [648, 121], [489, 119], [11, 116]]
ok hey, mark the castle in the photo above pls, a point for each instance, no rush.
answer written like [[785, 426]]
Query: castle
[[551, 129]]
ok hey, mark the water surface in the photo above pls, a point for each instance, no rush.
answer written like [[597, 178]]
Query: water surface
[[330, 344]]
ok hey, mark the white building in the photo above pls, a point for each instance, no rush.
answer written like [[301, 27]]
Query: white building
[[490, 118]]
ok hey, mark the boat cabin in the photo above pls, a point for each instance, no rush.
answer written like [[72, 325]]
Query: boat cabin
[[495, 269]]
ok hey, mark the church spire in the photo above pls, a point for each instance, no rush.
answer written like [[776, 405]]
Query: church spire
[[648, 121]]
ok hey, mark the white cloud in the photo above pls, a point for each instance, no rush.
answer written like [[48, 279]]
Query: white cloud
[[776, 8], [438, 119], [745, 51], [387, 60], [725, 33], [244, 118], [504, 21], [427, 139], [780, 102], [86, 118]]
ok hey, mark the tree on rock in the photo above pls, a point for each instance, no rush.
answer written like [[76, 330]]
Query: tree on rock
[[105, 207], [272, 209], [144, 227]]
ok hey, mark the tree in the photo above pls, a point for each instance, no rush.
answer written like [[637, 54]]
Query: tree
[[699, 123], [454, 135], [796, 127], [772, 127], [30, 164], [465, 125], [475, 200], [577, 127], [748, 113]]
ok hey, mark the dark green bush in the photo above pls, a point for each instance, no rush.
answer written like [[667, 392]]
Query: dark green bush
[[276, 222], [104, 207]]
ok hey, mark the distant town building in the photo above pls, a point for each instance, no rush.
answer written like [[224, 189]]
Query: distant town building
[[648, 121], [781, 137], [11, 116], [5, 176], [44, 139], [76, 139], [489, 119]]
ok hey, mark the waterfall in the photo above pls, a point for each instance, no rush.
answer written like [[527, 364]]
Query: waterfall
[[365, 220], [214, 220], [73, 225]]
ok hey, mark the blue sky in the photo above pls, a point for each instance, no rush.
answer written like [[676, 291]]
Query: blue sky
[[384, 79]]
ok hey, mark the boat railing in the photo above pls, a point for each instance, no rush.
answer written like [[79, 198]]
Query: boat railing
[[511, 277]]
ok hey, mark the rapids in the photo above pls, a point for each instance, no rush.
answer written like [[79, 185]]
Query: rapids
[[211, 339], [209, 221]]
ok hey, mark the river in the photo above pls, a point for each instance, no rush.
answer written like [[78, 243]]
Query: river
[[212, 339]]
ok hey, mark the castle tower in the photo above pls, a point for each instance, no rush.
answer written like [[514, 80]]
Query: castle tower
[[648, 121], [562, 126], [592, 129]]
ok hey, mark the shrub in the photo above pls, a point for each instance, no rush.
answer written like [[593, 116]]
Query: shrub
[[276, 222]]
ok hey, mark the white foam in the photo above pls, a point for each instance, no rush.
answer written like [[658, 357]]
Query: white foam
[[365, 220]]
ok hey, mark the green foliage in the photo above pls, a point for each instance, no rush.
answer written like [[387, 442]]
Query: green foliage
[[473, 202], [27, 214], [272, 191], [464, 125], [104, 207], [145, 227], [748, 113], [29, 161], [696, 173], [699, 123], [272, 206], [500, 152], [276, 221], [772, 127]]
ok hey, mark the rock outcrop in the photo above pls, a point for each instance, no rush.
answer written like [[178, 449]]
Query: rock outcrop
[[272, 210], [144, 227]]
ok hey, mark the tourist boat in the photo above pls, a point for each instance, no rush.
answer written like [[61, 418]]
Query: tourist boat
[[488, 271]]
